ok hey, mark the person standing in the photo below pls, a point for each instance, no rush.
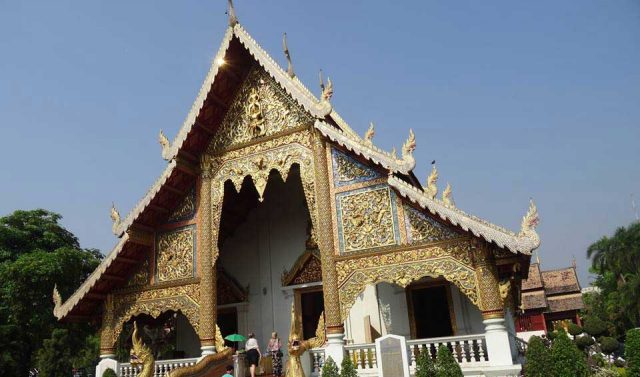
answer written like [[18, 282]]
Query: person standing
[[276, 354], [253, 353]]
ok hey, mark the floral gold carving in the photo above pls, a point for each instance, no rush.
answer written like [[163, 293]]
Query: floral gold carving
[[261, 108], [367, 220], [175, 254], [185, 209], [421, 227], [141, 276], [153, 302], [306, 269]]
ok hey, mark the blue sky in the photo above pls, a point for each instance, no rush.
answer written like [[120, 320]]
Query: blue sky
[[513, 99]]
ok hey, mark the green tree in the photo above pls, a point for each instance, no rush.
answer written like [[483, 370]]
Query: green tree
[[538, 358], [54, 358], [594, 326], [446, 365], [566, 359], [36, 253], [424, 364], [608, 345], [347, 369], [330, 369], [574, 329], [632, 351]]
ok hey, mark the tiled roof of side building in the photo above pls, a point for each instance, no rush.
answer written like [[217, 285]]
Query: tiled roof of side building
[[564, 303], [534, 281], [560, 281], [534, 300]]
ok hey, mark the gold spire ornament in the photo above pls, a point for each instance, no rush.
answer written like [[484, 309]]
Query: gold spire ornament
[[447, 196], [432, 190], [290, 71], [141, 354], [368, 136], [115, 217], [233, 19], [164, 143]]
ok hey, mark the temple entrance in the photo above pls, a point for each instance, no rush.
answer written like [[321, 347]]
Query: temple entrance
[[430, 311], [310, 304], [228, 323]]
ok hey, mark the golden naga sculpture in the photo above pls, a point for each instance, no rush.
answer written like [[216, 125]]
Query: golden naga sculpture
[[297, 347], [141, 354], [164, 143], [432, 190], [206, 364], [530, 220], [447, 196], [368, 136]]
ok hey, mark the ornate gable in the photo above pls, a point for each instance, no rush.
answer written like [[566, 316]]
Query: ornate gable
[[261, 108], [306, 269], [347, 170], [423, 228]]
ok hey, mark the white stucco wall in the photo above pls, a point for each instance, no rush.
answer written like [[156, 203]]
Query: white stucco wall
[[186, 338], [268, 242]]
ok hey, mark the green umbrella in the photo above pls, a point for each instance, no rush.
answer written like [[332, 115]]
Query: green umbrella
[[235, 338]]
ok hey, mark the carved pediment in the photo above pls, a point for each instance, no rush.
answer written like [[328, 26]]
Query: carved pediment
[[347, 170], [186, 209], [307, 269], [423, 228], [260, 109]]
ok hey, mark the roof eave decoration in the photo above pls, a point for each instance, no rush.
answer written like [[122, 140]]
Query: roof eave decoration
[[369, 151], [524, 242], [60, 309]]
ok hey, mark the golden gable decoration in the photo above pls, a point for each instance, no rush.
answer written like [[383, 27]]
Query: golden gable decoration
[[307, 269], [422, 228], [261, 108], [186, 209], [141, 276], [175, 259]]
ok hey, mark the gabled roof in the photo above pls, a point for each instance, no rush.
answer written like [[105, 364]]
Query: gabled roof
[[562, 280], [534, 279], [328, 123]]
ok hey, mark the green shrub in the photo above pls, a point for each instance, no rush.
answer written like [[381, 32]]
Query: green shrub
[[109, 373], [538, 358], [446, 365], [632, 352], [584, 341], [609, 345], [594, 326], [347, 369], [567, 360], [574, 329], [424, 364], [330, 369]]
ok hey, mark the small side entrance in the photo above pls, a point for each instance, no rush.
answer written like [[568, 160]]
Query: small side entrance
[[430, 310], [310, 304]]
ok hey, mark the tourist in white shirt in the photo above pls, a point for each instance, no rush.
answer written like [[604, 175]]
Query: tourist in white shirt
[[253, 353]]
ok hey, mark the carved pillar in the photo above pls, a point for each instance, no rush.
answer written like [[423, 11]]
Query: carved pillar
[[335, 327], [207, 245], [491, 305], [107, 343]]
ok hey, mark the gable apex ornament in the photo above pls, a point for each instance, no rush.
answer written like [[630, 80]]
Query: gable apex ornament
[[115, 217], [447, 196], [57, 302], [164, 143], [287, 55], [327, 90], [233, 19], [531, 220]]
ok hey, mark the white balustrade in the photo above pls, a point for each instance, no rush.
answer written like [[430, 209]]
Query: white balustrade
[[317, 361], [363, 356], [468, 350], [162, 367]]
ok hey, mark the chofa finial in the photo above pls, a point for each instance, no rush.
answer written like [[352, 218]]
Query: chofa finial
[[233, 20], [368, 136], [288, 56], [432, 189], [327, 90], [531, 220], [57, 301], [409, 146], [447, 196], [115, 217], [164, 143]]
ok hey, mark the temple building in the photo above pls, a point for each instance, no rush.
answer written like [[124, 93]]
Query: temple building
[[550, 299], [270, 201]]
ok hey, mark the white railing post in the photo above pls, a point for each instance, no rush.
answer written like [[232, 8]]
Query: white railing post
[[497, 341]]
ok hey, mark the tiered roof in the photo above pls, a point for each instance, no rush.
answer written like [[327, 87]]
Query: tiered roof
[[200, 126], [553, 290]]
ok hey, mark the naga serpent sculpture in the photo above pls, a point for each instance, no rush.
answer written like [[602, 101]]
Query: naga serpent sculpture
[[297, 347], [141, 354]]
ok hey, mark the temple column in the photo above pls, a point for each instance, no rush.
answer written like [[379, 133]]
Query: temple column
[[324, 201], [107, 343], [491, 305], [208, 299]]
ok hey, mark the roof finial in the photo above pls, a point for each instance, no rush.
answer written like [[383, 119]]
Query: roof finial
[[164, 143], [288, 56], [447, 196], [432, 189], [57, 301], [410, 145], [115, 217], [368, 136], [233, 20], [327, 91], [530, 220], [394, 153]]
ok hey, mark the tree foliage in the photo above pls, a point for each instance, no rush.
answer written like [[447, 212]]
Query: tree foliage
[[424, 364], [566, 359], [347, 369], [538, 358], [594, 326], [616, 261], [330, 369], [574, 329], [36, 253], [632, 351], [608, 345], [446, 365]]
